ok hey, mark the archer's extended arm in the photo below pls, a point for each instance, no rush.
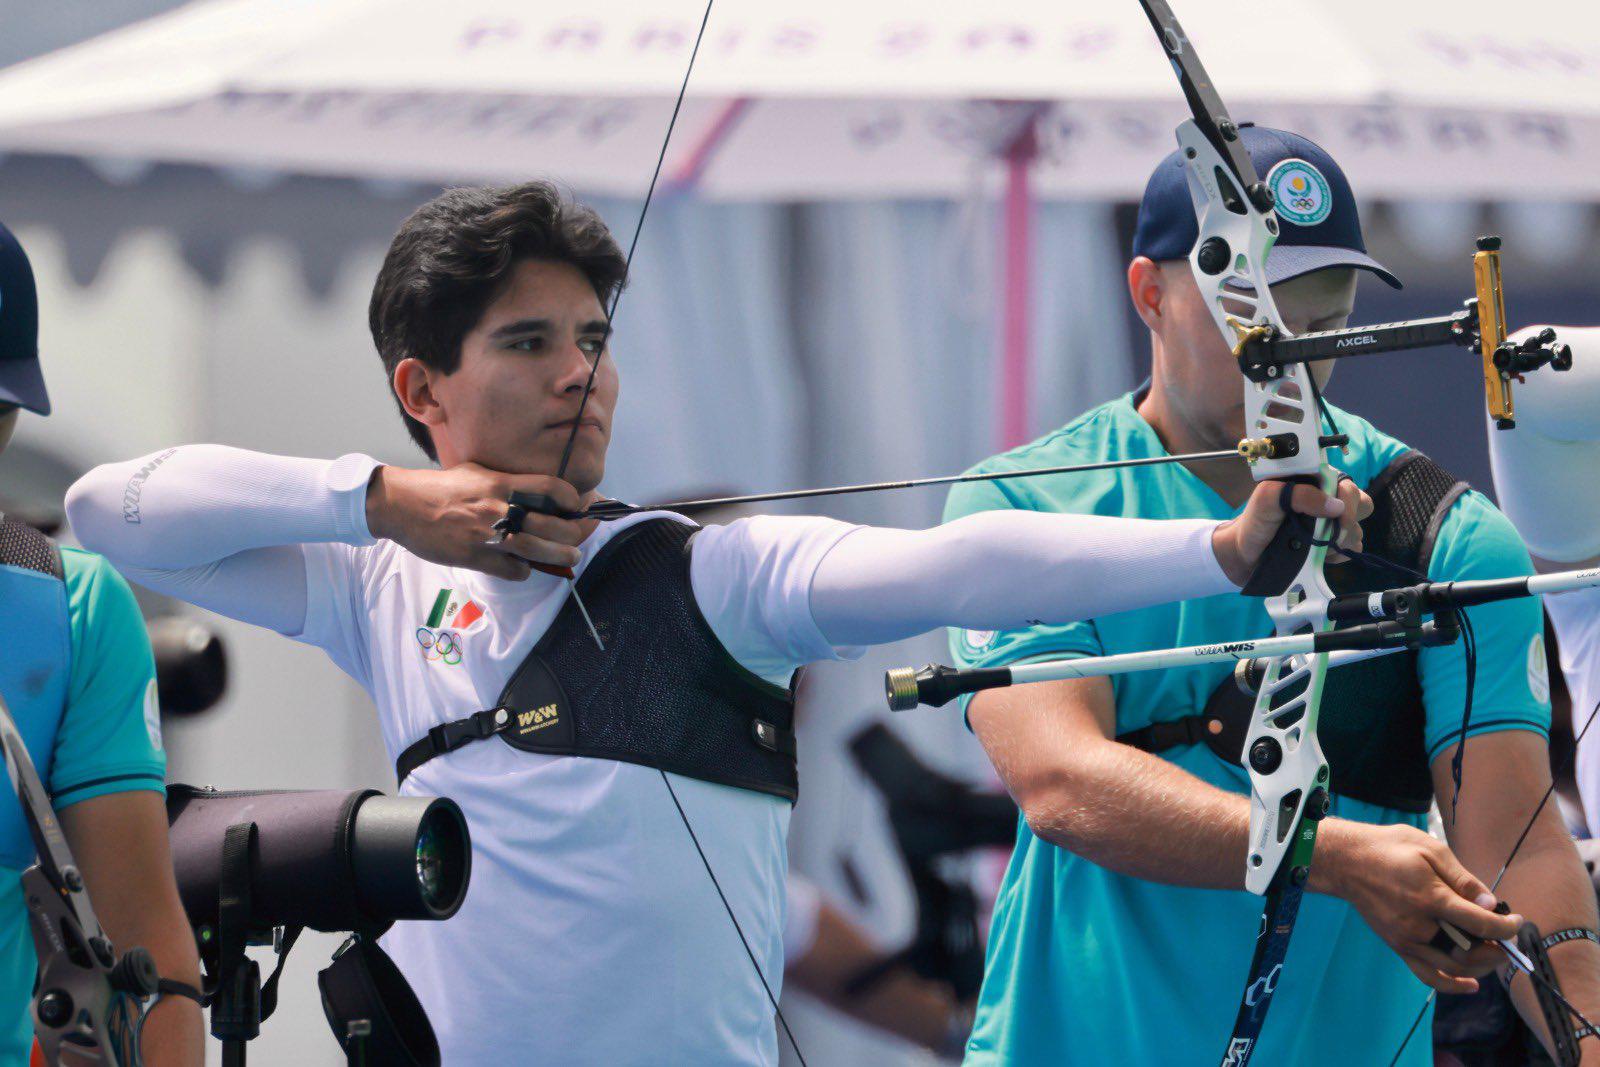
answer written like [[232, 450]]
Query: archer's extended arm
[[1001, 570]]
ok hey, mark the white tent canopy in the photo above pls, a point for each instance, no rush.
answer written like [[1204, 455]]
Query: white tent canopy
[[1421, 99]]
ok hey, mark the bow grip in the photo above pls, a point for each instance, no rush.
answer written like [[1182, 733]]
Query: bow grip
[[1283, 557]]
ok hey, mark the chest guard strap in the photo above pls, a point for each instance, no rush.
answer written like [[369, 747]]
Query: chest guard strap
[[1373, 720], [664, 693]]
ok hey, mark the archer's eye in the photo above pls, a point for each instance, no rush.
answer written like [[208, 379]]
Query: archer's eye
[[528, 344], [593, 347]]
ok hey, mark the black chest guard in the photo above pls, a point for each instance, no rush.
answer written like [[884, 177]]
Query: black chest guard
[[23, 546], [1372, 721], [664, 693]]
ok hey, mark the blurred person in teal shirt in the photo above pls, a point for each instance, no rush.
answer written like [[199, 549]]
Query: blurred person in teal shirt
[[1122, 933], [79, 679]]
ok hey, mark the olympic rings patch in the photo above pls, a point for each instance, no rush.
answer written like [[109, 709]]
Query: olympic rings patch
[[445, 646]]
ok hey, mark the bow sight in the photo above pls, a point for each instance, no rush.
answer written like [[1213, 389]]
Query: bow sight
[[1263, 352]]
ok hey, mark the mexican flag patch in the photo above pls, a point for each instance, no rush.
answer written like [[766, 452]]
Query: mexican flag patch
[[451, 612]]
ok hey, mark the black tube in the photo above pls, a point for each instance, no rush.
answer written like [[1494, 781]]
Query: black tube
[[1371, 636], [327, 860], [1362, 607], [1480, 591]]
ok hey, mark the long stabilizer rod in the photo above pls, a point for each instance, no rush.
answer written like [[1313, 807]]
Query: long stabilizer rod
[[937, 685], [1387, 622]]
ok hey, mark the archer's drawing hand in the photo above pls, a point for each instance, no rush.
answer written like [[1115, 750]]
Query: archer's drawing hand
[[447, 517], [1404, 882], [1240, 542]]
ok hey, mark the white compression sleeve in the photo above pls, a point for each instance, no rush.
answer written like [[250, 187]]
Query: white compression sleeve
[[1544, 469], [222, 527], [1002, 570]]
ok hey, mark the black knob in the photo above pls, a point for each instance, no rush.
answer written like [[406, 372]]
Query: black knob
[[1265, 755], [1317, 804], [1489, 244], [55, 1008], [135, 973], [1215, 255], [1229, 131], [1262, 197], [1401, 605], [1561, 357]]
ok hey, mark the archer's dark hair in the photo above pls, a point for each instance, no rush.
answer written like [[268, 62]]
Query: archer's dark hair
[[453, 256]]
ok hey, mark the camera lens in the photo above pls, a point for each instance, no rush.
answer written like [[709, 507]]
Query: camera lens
[[411, 857], [441, 859]]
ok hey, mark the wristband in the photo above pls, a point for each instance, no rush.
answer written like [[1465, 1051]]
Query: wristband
[[1571, 933], [1509, 972]]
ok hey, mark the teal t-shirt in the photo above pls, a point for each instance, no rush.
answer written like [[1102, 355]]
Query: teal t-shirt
[[1087, 966], [95, 685]]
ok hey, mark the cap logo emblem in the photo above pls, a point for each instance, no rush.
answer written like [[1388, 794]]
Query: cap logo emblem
[[1303, 194]]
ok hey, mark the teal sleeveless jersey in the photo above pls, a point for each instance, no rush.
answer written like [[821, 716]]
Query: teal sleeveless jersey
[[78, 678]]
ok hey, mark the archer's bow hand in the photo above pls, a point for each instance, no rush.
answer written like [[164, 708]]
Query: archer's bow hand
[[1239, 543], [449, 517]]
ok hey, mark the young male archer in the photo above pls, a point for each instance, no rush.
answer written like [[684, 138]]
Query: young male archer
[[603, 785], [1122, 898]]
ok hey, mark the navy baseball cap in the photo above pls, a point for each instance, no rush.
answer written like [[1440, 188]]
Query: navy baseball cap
[[1320, 226], [21, 382]]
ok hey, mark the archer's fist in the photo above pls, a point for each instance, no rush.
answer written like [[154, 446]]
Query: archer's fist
[[448, 517], [1240, 542]]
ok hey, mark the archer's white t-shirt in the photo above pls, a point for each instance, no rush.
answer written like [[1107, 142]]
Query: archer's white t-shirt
[[591, 933]]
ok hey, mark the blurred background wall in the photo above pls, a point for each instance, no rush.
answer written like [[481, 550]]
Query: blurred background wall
[[762, 347]]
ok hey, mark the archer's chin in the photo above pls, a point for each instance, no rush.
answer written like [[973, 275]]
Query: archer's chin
[[586, 472]]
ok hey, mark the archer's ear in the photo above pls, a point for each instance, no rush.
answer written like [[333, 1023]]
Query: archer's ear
[[413, 384], [1147, 290]]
